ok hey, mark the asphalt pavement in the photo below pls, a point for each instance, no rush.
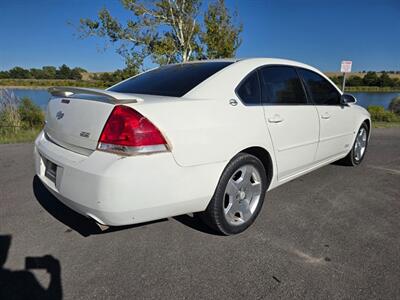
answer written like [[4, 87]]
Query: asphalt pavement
[[334, 233]]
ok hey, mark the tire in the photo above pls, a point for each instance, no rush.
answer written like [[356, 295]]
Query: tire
[[357, 153], [239, 196]]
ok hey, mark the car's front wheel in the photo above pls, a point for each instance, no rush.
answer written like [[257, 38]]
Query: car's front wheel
[[238, 197], [357, 153]]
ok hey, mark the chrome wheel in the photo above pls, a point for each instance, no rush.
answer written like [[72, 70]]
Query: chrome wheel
[[360, 144], [242, 195]]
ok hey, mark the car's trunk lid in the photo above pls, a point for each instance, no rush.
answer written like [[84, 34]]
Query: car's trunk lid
[[76, 120]]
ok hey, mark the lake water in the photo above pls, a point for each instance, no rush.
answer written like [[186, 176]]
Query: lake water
[[382, 99], [41, 97]]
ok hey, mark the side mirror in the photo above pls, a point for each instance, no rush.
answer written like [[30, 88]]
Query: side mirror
[[347, 98]]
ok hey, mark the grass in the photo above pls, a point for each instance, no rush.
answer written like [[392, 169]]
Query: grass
[[21, 136], [386, 124]]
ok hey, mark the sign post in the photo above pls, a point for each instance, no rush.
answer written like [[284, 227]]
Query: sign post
[[345, 68]]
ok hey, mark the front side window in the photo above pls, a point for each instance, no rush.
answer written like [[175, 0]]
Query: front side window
[[170, 80], [249, 90], [321, 91], [280, 85]]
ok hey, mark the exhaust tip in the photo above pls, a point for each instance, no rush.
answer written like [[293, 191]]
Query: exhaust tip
[[102, 227]]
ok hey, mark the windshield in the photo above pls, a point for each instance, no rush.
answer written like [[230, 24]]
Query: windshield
[[170, 80]]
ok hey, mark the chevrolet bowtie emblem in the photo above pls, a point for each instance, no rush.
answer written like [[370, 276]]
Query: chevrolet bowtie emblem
[[59, 115]]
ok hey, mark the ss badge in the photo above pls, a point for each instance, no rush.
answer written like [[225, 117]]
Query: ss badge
[[84, 134]]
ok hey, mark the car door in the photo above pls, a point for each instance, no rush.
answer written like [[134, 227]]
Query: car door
[[292, 122], [336, 120]]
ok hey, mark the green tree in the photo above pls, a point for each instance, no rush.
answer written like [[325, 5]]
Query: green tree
[[76, 74], [49, 72], [222, 35], [166, 31], [20, 73], [385, 80], [111, 78], [4, 74], [371, 79], [36, 73], [354, 81], [63, 72]]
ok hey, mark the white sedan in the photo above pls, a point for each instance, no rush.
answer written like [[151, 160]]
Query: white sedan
[[209, 137]]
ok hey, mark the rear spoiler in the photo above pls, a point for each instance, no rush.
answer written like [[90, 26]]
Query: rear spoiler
[[112, 97]]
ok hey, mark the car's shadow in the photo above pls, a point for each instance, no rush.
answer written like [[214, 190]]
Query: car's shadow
[[85, 226], [195, 223]]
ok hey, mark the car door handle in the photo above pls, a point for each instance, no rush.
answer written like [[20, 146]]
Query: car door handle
[[325, 116], [275, 119]]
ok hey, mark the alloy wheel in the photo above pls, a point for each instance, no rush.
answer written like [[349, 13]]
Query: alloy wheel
[[360, 144], [242, 195]]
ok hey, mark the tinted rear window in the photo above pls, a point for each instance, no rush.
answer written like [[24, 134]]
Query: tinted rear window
[[170, 80], [249, 90]]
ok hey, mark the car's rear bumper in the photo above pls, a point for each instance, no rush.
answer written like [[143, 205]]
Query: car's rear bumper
[[116, 190]]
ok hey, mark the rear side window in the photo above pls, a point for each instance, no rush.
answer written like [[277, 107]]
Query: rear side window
[[321, 91], [249, 90], [170, 80], [281, 85]]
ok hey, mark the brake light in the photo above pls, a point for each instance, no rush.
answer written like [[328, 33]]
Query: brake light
[[128, 132]]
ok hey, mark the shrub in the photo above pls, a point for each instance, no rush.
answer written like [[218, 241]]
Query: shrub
[[378, 113], [394, 105], [31, 114], [10, 120]]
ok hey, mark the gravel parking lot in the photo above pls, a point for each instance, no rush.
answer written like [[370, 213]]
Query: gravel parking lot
[[334, 233]]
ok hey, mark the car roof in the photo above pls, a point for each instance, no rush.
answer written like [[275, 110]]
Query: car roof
[[258, 60], [265, 60]]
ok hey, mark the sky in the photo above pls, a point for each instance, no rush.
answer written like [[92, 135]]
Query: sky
[[322, 33]]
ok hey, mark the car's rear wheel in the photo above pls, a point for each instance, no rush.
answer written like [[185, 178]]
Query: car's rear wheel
[[357, 153], [238, 197]]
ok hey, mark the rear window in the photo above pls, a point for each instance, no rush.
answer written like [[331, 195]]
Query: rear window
[[170, 80], [249, 90]]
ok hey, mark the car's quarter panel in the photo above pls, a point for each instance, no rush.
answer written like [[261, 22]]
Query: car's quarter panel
[[118, 190], [204, 131], [295, 139]]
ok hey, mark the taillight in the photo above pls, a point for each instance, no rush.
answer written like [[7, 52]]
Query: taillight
[[128, 132]]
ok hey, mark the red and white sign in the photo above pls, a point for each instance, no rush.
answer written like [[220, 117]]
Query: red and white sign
[[346, 66]]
